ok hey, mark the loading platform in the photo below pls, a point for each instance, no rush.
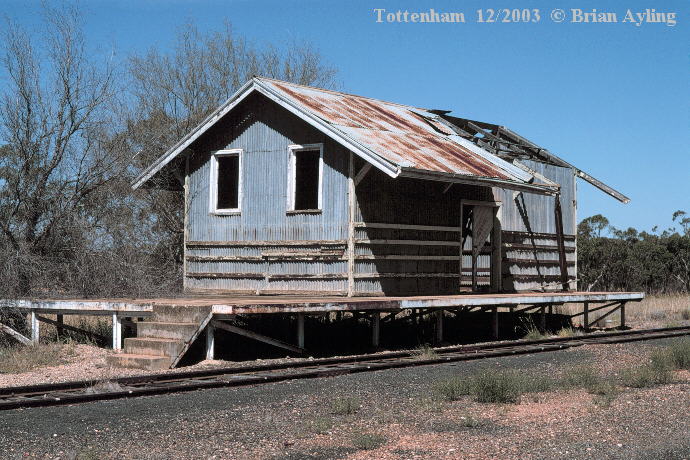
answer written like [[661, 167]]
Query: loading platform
[[167, 327]]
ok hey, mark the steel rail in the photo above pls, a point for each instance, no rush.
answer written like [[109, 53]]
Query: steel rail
[[154, 384]]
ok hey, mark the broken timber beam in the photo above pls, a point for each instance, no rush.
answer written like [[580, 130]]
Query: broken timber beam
[[20, 337], [256, 336]]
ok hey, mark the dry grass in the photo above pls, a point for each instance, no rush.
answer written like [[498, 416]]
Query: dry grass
[[652, 311], [16, 360]]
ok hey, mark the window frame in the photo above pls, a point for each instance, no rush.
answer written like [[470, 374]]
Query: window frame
[[292, 178], [213, 188]]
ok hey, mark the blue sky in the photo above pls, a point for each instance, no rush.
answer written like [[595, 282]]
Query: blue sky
[[612, 99]]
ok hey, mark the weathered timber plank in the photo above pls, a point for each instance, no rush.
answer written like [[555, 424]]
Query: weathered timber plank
[[403, 257], [407, 227], [535, 247], [570, 263], [191, 244], [404, 275], [551, 236], [18, 336], [226, 275], [409, 242]]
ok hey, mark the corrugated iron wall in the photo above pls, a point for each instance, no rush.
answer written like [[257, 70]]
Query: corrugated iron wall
[[245, 252], [432, 266], [268, 250], [530, 252]]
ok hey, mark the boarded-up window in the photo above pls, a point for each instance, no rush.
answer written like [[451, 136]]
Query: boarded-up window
[[228, 182], [307, 179]]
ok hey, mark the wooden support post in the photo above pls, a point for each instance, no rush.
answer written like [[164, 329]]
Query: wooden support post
[[550, 307], [622, 315], [462, 241], [494, 321], [300, 330], [439, 325], [496, 254], [210, 341], [585, 316], [35, 328], [60, 330], [542, 319], [350, 228], [375, 324], [511, 309], [117, 332]]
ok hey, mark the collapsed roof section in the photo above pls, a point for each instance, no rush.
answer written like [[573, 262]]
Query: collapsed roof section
[[510, 146], [400, 140]]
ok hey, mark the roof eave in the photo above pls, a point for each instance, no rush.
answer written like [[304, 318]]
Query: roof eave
[[475, 180], [193, 135]]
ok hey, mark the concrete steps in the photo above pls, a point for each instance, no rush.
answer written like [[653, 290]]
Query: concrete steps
[[161, 340], [148, 362]]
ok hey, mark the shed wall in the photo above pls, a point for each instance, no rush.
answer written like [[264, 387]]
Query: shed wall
[[259, 250], [530, 252]]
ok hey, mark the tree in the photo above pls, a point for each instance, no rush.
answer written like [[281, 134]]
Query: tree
[[54, 122], [173, 91]]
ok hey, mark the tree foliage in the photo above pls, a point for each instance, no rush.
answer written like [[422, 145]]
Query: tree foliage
[[76, 125], [610, 259]]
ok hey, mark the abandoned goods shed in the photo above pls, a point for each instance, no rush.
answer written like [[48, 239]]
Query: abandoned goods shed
[[292, 189]]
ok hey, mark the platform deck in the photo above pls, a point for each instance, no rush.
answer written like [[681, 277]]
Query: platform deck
[[233, 304]]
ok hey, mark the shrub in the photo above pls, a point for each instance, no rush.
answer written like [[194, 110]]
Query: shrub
[[568, 332], [345, 406], [584, 376], [424, 352], [451, 389], [498, 387], [679, 353], [534, 334], [368, 441], [321, 425]]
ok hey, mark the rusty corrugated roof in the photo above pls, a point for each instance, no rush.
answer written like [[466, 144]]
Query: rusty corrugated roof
[[406, 136]]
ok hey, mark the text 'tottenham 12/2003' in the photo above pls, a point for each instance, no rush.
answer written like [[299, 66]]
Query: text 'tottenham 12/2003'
[[527, 15]]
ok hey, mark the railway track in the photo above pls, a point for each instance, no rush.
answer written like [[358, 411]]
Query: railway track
[[127, 387]]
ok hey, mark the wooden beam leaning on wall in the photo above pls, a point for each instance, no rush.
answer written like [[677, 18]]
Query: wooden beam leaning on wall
[[561, 242]]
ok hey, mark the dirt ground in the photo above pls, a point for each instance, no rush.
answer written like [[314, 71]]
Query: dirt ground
[[389, 415]]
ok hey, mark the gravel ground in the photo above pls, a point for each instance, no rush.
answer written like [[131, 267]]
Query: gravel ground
[[295, 420]]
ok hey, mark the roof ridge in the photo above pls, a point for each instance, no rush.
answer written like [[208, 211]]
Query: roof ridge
[[342, 93]]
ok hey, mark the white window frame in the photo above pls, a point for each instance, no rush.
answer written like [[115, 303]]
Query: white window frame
[[213, 184], [292, 175]]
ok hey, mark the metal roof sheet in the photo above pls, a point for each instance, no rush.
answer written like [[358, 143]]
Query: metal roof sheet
[[409, 137]]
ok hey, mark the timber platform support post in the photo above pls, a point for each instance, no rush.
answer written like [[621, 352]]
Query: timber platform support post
[[542, 319], [35, 331], [210, 341], [117, 332], [300, 330], [622, 308], [59, 319], [375, 329], [439, 326], [494, 322], [585, 316]]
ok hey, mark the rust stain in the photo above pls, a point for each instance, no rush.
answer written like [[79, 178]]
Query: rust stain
[[395, 132]]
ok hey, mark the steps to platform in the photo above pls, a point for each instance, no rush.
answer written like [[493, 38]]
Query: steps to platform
[[162, 340]]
